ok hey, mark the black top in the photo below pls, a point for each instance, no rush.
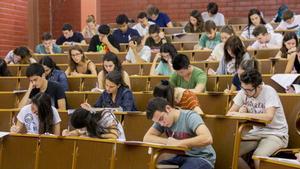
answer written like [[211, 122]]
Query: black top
[[77, 37], [97, 46], [297, 64], [54, 90], [151, 43]]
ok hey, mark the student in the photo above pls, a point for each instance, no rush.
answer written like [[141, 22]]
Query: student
[[158, 18], [246, 65], [290, 21], [264, 39], [124, 33], [69, 37], [211, 37], [104, 41], [38, 83], [187, 76], [102, 124], [176, 96], [218, 52], [254, 19], [20, 55], [143, 24], [166, 55], [116, 94], [138, 53], [259, 101], [182, 128], [47, 46], [195, 24], [213, 14], [79, 64], [234, 54], [3, 68], [289, 45], [156, 38], [90, 29], [293, 65], [111, 63], [279, 15], [39, 117], [53, 73]]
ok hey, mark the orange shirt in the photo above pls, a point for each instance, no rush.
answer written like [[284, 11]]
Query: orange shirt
[[188, 101]]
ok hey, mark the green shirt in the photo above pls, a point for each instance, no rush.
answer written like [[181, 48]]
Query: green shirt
[[205, 42], [198, 77]]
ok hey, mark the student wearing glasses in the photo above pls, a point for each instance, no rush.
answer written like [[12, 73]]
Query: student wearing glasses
[[259, 101]]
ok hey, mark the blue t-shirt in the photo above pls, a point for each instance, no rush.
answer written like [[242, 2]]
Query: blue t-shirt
[[124, 37], [236, 82], [40, 48], [162, 20]]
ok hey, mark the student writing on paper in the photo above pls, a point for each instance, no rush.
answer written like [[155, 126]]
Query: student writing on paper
[[102, 124], [259, 101], [183, 128], [39, 117]]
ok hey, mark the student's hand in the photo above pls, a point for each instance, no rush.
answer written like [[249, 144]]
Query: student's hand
[[132, 45], [206, 49], [65, 132], [157, 56], [105, 40], [86, 106], [210, 71], [298, 156], [292, 50], [67, 43], [227, 91], [74, 73], [290, 89], [31, 86], [173, 142], [243, 109], [14, 129], [161, 35]]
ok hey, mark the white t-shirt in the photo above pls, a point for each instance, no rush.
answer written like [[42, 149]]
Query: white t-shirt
[[31, 120], [275, 42], [142, 31], [145, 54], [266, 99], [218, 51], [284, 25], [217, 18], [247, 34]]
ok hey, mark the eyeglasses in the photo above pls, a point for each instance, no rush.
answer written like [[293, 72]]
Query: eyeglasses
[[248, 90]]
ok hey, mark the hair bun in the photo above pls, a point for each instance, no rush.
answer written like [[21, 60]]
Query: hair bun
[[165, 82]]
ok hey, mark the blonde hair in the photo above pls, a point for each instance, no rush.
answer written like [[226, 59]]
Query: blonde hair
[[90, 18]]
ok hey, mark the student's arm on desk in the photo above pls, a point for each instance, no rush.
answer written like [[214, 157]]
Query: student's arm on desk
[[267, 116], [154, 136], [198, 89], [203, 138]]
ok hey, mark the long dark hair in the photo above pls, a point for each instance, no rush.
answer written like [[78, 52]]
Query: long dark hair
[[236, 46], [200, 22], [253, 12], [165, 90], [45, 112], [47, 61], [93, 122], [287, 36], [168, 48], [3, 68], [116, 78], [113, 58]]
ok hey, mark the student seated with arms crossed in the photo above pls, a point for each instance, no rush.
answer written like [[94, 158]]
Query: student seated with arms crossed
[[124, 33], [104, 41], [79, 64], [183, 128], [264, 39], [259, 101], [187, 76], [38, 83], [69, 37], [116, 94], [39, 117], [176, 96], [47, 46], [102, 124], [210, 39], [138, 52]]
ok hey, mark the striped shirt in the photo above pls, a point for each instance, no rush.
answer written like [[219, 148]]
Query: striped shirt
[[188, 101]]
